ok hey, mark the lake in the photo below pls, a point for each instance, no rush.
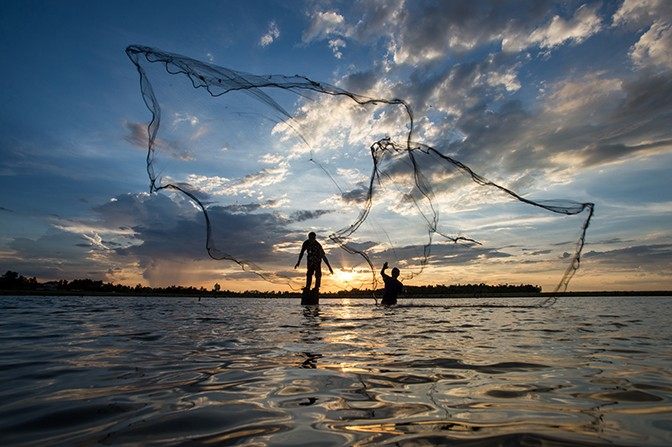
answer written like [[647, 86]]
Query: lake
[[170, 371]]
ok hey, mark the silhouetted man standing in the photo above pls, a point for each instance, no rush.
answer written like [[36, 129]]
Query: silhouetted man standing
[[314, 261], [393, 286]]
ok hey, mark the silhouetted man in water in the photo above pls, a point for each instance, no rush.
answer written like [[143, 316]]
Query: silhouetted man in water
[[314, 261], [393, 286]]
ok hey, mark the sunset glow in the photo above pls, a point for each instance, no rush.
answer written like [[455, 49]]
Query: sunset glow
[[559, 102]]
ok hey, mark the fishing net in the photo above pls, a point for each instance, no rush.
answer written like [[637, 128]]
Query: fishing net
[[266, 158]]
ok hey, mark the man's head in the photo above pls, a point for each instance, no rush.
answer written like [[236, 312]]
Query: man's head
[[312, 235], [395, 272]]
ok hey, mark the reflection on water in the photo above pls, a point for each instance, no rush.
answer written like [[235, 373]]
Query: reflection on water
[[593, 371]]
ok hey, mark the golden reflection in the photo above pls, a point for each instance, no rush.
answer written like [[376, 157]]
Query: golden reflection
[[455, 426], [310, 335], [345, 327], [389, 428], [642, 410], [348, 368]]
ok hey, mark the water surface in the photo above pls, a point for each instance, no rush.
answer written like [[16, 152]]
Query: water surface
[[146, 371]]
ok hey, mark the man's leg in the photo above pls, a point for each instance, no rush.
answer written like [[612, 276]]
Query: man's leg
[[318, 277], [309, 277]]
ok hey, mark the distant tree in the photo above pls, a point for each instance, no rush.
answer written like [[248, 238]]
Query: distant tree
[[10, 276], [216, 287], [13, 281]]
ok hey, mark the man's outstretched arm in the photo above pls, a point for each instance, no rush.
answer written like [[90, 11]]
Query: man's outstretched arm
[[326, 261], [303, 249]]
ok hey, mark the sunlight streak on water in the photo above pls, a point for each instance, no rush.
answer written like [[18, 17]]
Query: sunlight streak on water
[[137, 371]]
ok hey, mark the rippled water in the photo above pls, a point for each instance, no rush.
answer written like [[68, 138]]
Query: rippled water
[[271, 372]]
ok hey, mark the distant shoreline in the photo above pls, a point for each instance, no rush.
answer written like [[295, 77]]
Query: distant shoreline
[[210, 294], [13, 283]]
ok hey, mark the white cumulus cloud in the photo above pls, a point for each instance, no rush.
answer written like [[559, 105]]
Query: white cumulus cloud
[[272, 34], [558, 31], [324, 24], [654, 48]]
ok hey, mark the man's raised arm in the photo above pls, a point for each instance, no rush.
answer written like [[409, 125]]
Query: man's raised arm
[[382, 271]]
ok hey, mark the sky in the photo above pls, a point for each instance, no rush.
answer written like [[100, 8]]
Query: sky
[[567, 100]]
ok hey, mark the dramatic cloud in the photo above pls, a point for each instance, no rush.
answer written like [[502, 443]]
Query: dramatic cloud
[[137, 136], [324, 24], [355, 196], [249, 184], [426, 31], [558, 31], [162, 237], [654, 48], [300, 216], [58, 254], [582, 122], [168, 229], [422, 31], [172, 233], [642, 12], [443, 254], [655, 257]]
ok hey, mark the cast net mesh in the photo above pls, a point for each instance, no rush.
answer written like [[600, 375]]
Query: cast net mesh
[[266, 158]]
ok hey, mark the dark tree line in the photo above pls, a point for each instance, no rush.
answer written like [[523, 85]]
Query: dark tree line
[[451, 290], [460, 289], [12, 281]]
